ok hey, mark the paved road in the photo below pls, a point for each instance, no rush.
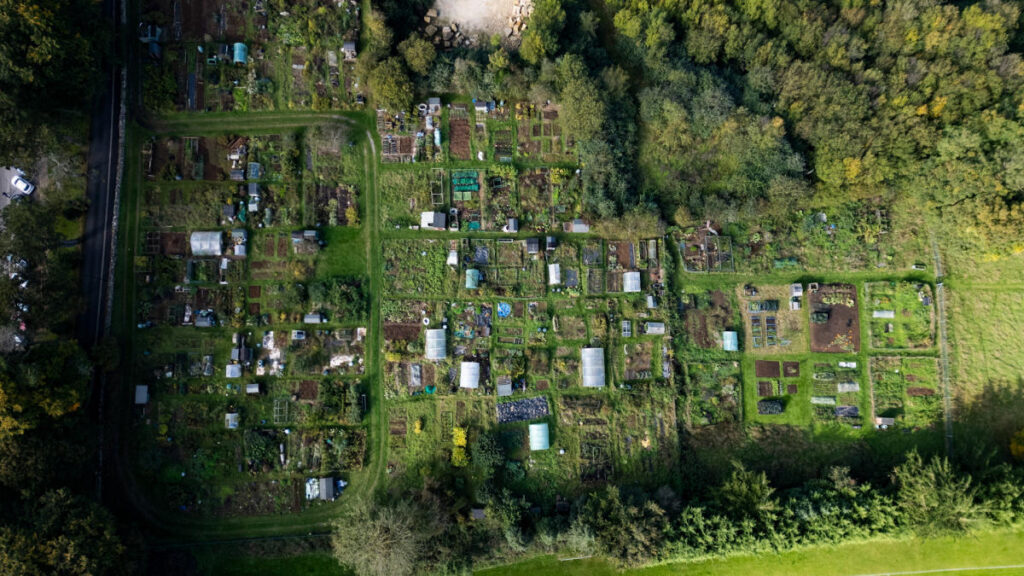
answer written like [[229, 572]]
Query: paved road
[[97, 240]]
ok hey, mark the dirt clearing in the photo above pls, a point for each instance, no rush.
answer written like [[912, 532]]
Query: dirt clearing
[[486, 16]]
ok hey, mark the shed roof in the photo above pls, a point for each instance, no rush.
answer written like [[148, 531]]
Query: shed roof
[[469, 375], [472, 279], [539, 437], [436, 348], [231, 420], [233, 371], [883, 314], [313, 318], [433, 220], [142, 394], [241, 53], [327, 488], [252, 388], [593, 367], [631, 282]]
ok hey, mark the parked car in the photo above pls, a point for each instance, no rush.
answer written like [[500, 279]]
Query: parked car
[[22, 185]]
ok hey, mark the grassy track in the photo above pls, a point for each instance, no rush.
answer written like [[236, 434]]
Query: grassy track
[[862, 559]]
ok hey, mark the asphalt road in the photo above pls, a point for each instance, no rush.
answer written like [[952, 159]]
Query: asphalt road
[[97, 240]]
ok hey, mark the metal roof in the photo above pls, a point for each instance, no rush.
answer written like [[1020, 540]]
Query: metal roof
[[141, 394], [469, 375], [539, 437], [233, 371], [436, 348], [472, 279], [593, 367]]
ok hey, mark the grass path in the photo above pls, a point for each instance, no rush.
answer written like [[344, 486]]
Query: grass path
[[991, 554]]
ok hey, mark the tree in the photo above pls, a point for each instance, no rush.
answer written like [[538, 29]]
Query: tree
[[379, 540], [47, 382], [633, 533], [62, 534], [48, 59], [746, 494], [540, 39], [391, 86], [933, 497], [419, 54]]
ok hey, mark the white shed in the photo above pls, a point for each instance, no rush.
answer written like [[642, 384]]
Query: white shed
[[593, 367]]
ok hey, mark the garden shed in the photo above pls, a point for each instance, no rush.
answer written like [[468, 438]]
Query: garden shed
[[436, 348], [239, 237], [432, 220], [539, 437], [469, 375], [313, 318], [631, 282], [233, 371], [504, 387], [434, 105], [142, 394], [883, 314], [206, 243], [532, 245], [231, 420], [252, 388], [472, 279], [593, 367]]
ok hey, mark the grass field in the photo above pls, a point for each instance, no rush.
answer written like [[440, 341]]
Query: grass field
[[983, 323], [869, 558]]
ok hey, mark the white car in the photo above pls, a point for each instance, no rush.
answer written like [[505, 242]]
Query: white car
[[22, 185]]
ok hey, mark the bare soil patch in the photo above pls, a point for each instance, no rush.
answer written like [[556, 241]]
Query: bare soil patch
[[766, 369], [835, 324]]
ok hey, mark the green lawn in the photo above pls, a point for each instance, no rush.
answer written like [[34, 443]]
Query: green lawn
[[213, 563], [877, 557], [983, 323], [349, 259]]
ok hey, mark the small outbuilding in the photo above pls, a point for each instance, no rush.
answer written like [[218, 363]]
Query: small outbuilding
[[349, 50], [142, 394], [469, 375], [233, 371], [313, 318], [231, 420], [432, 220], [252, 388], [539, 437], [472, 279], [888, 314], [532, 245], [434, 105], [593, 367]]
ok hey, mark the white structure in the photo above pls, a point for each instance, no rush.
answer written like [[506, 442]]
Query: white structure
[[593, 367], [504, 390], [252, 388], [888, 314], [231, 421], [469, 375], [432, 220], [434, 105], [554, 274], [654, 328], [436, 348], [539, 437], [142, 394], [631, 282], [233, 371], [796, 290], [206, 243]]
